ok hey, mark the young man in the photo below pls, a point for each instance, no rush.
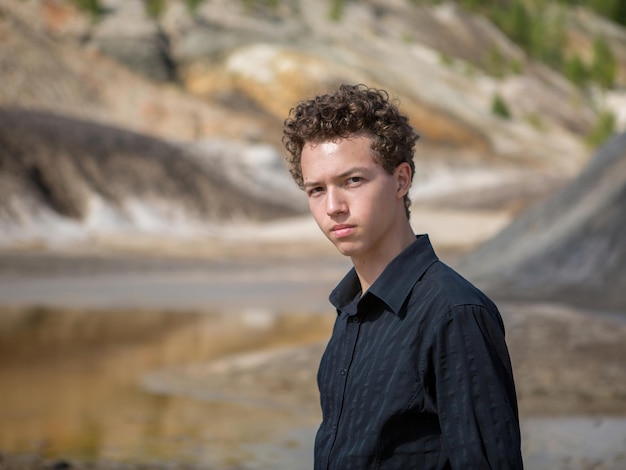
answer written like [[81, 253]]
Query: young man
[[416, 374]]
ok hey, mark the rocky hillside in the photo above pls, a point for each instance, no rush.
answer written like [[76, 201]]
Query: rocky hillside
[[100, 178], [214, 85], [570, 247]]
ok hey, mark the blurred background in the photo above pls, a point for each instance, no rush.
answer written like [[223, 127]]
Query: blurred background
[[163, 290]]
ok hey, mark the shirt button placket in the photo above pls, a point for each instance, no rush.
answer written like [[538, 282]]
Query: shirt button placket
[[351, 334], [354, 320]]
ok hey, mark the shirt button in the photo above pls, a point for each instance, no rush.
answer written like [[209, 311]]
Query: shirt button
[[354, 319], [334, 427], [344, 371]]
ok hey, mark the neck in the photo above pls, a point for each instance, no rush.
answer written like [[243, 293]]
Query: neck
[[370, 266]]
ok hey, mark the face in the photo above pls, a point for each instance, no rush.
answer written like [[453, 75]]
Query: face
[[355, 202]]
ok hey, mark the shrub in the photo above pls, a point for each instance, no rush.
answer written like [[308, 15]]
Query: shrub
[[576, 70], [535, 121], [539, 28], [336, 9], [251, 4], [193, 5], [604, 128], [604, 67], [499, 107], [92, 7], [614, 10], [445, 59], [154, 8], [496, 63]]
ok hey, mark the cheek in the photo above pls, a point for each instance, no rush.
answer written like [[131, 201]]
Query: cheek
[[381, 205], [316, 209]]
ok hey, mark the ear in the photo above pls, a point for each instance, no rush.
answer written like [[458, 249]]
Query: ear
[[403, 175]]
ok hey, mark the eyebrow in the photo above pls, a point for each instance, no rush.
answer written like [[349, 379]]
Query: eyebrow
[[358, 169]]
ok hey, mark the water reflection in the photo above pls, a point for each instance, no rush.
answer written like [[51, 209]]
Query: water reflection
[[70, 385]]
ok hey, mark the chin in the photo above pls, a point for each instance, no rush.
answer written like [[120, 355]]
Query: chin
[[347, 249]]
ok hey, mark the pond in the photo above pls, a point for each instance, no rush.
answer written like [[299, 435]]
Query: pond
[[72, 387], [138, 387]]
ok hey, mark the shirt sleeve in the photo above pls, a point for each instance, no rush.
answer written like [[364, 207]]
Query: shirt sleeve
[[475, 392]]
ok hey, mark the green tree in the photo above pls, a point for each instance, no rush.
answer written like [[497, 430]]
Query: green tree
[[615, 10], [619, 12]]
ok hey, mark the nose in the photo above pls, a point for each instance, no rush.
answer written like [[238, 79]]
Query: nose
[[335, 202]]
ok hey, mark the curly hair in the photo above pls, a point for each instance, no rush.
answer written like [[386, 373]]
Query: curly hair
[[352, 109]]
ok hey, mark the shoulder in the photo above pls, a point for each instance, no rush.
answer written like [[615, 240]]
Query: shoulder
[[445, 286], [443, 295]]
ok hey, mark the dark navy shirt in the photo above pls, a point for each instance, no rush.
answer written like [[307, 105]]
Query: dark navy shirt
[[416, 374]]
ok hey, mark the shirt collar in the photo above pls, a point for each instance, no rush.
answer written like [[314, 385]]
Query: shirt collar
[[396, 281]]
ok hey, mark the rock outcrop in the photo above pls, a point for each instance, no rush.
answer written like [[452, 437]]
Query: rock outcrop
[[236, 72], [570, 247], [73, 178]]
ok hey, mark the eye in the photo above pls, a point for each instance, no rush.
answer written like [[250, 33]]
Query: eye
[[314, 191], [354, 180]]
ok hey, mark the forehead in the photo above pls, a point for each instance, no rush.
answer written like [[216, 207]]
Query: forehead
[[336, 156]]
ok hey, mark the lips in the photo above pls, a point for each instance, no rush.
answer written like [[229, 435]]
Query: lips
[[342, 230]]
